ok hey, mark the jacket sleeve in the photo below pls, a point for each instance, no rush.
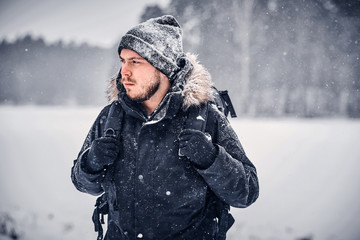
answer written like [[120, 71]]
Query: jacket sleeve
[[84, 180], [232, 177]]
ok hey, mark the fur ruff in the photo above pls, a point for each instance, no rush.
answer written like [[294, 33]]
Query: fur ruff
[[196, 90]]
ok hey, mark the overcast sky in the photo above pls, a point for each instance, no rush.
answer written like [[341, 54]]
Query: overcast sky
[[94, 21]]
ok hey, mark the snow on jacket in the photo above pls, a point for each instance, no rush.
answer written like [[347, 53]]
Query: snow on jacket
[[160, 195]]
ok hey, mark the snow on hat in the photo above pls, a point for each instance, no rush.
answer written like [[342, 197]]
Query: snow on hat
[[159, 41]]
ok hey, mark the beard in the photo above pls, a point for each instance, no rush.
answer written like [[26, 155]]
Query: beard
[[147, 91]]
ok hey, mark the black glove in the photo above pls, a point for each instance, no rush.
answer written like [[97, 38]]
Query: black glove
[[198, 147], [103, 151]]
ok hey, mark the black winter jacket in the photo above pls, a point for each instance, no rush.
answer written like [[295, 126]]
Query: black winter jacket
[[156, 194]]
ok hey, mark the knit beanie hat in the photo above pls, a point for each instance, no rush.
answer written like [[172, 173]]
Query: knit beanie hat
[[158, 41]]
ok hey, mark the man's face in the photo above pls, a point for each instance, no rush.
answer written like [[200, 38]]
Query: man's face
[[140, 79]]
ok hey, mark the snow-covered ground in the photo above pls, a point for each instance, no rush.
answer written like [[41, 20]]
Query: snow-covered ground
[[308, 172]]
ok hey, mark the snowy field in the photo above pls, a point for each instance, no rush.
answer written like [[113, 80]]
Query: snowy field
[[308, 172]]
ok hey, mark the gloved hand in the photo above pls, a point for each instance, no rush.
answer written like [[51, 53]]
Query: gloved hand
[[198, 147], [103, 151]]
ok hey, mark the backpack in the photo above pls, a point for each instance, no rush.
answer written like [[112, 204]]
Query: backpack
[[223, 102], [113, 129]]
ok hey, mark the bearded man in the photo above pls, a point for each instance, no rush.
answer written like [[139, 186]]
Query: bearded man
[[163, 180]]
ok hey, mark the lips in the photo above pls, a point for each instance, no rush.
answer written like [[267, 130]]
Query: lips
[[128, 84]]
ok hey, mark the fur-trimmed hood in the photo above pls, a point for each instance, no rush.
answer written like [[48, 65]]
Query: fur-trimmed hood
[[196, 89]]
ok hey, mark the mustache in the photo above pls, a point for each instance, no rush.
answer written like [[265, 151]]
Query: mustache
[[127, 80]]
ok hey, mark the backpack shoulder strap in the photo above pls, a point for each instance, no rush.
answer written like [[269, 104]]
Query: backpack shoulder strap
[[114, 121], [112, 128], [197, 119]]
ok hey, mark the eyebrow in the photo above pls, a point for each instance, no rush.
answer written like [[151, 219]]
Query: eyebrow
[[133, 58]]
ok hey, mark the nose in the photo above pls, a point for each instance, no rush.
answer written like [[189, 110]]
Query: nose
[[125, 71]]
